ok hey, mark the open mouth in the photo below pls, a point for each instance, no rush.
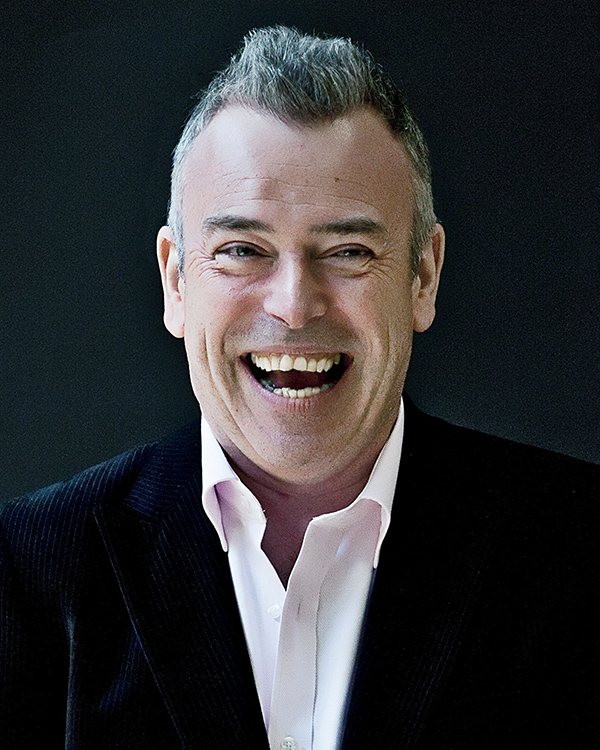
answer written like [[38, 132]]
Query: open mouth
[[297, 376]]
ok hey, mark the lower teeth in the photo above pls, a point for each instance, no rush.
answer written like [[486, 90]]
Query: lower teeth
[[292, 392]]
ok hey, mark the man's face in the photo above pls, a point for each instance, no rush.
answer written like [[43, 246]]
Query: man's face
[[297, 303]]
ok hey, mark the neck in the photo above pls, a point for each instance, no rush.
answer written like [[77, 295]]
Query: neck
[[290, 507]]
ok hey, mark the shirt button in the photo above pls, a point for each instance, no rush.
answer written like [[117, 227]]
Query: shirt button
[[289, 743], [275, 610]]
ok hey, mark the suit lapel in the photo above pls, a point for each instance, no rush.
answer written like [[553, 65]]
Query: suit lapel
[[431, 568], [176, 583]]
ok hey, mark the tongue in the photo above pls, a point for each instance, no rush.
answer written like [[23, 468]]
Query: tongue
[[299, 380]]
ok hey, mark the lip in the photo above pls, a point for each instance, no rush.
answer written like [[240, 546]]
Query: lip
[[294, 404], [295, 350]]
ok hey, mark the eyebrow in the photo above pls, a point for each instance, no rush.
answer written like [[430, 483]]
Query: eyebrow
[[235, 223], [355, 225]]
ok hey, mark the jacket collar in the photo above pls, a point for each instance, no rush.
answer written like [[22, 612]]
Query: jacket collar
[[176, 583], [433, 562]]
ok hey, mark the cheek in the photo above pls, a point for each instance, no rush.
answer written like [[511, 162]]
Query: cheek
[[383, 314], [200, 335], [215, 318], [204, 308]]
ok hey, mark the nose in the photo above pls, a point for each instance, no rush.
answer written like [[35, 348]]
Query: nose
[[295, 294]]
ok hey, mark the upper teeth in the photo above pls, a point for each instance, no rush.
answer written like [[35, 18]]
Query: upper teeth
[[287, 362]]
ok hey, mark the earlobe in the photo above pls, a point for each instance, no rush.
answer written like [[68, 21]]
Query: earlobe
[[427, 280], [172, 282]]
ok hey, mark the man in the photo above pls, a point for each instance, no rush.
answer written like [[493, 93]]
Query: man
[[252, 588]]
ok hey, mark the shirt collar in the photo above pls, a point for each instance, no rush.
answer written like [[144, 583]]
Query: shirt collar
[[380, 487], [215, 469]]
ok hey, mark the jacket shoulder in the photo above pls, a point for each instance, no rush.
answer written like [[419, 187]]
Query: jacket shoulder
[[500, 462], [46, 534], [52, 528], [114, 476]]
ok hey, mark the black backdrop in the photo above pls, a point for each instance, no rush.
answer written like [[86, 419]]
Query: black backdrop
[[94, 97]]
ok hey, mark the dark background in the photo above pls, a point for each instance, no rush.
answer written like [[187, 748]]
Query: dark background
[[94, 96]]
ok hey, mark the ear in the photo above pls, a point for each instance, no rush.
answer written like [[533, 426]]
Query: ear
[[426, 282], [172, 282]]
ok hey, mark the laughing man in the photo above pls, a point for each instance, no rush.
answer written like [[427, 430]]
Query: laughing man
[[317, 565]]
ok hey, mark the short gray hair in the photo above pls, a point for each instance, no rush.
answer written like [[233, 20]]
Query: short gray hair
[[307, 79]]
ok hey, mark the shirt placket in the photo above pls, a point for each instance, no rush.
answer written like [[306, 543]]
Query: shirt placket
[[295, 683], [259, 591]]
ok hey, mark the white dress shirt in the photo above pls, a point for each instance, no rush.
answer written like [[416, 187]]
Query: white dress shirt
[[302, 641]]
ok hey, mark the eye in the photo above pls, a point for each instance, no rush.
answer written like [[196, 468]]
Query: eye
[[350, 256], [239, 258], [237, 250], [353, 252], [353, 260]]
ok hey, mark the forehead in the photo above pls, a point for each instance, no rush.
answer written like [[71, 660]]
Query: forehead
[[247, 161]]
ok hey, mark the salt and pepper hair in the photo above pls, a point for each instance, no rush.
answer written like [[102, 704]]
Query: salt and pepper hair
[[306, 79]]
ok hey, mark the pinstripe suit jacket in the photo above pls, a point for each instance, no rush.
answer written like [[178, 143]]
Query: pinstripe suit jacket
[[120, 627]]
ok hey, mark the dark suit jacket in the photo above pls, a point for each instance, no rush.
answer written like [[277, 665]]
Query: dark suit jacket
[[120, 627]]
